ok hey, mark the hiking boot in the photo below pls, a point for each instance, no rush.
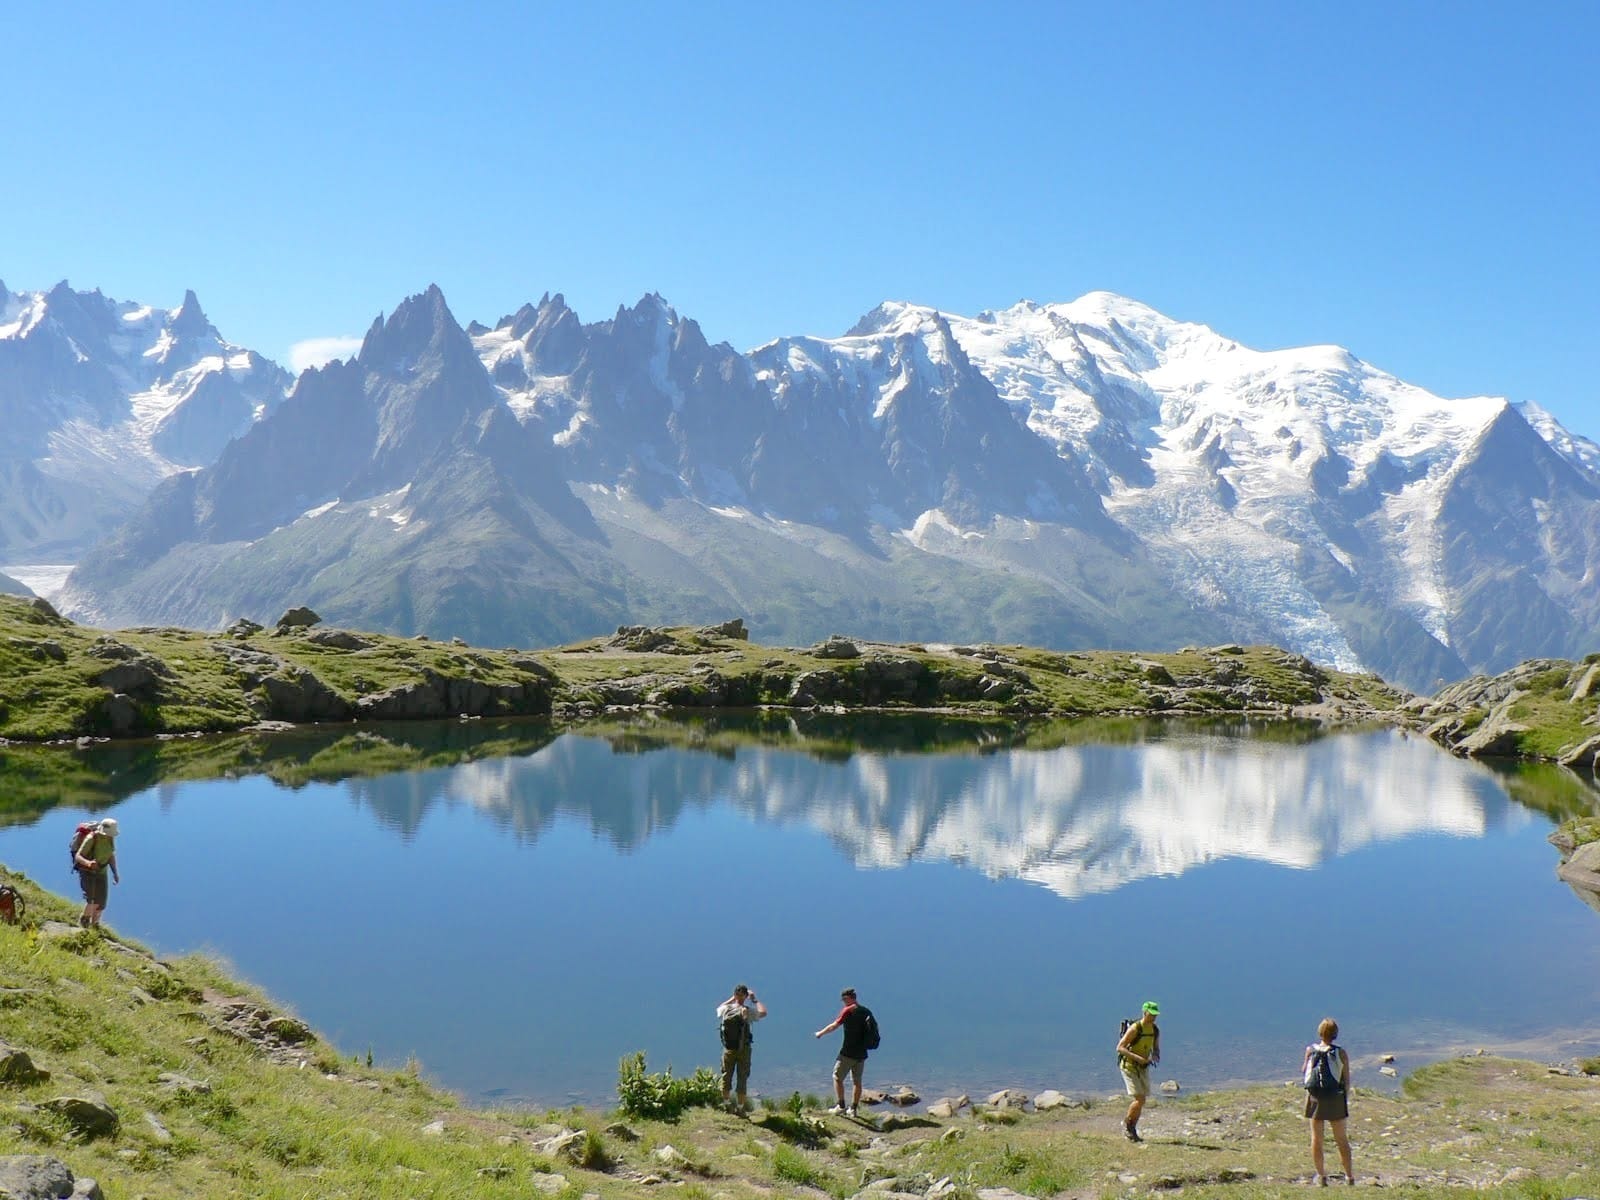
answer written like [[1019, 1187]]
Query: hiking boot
[[838, 1110], [853, 1112], [1131, 1132]]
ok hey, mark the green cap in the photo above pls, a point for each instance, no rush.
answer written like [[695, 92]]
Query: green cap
[[1151, 1007]]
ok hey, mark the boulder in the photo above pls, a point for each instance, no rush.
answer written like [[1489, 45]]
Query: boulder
[[546, 1183], [836, 647], [171, 1081], [641, 639], [295, 694], [242, 628], [672, 1158], [818, 687], [1497, 737], [44, 610], [1049, 1099], [298, 618], [339, 639], [728, 629], [34, 1177], [90, 1116], [1170, 1087], [1582, 871], [16, 1067], [1582, 756], [120, 715], [903, 1096], [1009, 1098]]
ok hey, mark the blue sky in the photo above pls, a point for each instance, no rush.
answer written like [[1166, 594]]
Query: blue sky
[[1418, 182]]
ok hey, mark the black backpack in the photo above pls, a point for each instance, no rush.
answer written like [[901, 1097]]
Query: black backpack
[[870, 1036], [1322, 1072], [736, 1031]]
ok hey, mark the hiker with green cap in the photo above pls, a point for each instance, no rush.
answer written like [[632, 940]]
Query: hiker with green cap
[[1139, 1046]]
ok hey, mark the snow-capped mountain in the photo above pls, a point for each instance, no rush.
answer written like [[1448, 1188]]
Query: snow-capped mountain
[[99, 401], [1091, 473]]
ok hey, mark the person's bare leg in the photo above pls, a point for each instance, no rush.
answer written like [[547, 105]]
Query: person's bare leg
[[1316, 1151], [1342, 1139]]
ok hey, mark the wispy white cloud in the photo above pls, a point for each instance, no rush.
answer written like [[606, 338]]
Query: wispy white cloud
[[314, 352]]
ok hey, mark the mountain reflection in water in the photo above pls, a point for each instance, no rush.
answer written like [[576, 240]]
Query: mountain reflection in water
[[1077, 819], [1001, 893]]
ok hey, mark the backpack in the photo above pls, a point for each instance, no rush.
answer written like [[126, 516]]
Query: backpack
[[12, 907], [80, 835], [1322, 1072], [735, 1031], [870, 1035]]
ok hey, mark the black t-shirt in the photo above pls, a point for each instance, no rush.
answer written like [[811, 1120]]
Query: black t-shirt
[[855, 1033]]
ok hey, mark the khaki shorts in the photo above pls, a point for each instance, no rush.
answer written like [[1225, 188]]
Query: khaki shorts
[[96, 886], [848, 1066], [1136, 1078]]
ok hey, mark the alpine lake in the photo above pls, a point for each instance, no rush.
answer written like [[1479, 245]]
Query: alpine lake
[[517, 906]]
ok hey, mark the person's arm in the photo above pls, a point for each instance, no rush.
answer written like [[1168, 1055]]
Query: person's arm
[[82, 856], [837, 1021], [112, 863], [1344, 1063], [760, 1008]]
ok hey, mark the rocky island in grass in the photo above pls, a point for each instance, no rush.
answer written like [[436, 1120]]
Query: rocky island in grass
[[60, 680]]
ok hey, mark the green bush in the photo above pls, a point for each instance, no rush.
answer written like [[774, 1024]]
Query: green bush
[[790, 1165], [662, 1096]]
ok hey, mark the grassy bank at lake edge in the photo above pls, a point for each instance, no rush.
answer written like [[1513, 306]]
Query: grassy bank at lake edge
[[60, 680], [237, 1117]]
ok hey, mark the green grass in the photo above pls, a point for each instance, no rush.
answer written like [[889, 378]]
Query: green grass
[[49, 670]]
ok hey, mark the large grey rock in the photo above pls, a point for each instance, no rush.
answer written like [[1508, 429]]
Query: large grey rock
[[1582, 755], [34, 1177], [16, 1067], [298, 618], [1496, 737], [339, 639], [90, 1116], [1009, 1098], [295, 694], [120, 715], [836, 647]]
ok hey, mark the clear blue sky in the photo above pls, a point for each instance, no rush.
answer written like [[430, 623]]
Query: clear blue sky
[[1418, 182]]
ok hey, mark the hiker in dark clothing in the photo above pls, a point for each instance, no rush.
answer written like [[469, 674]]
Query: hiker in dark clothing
[[852, 1060], [735, 1016]]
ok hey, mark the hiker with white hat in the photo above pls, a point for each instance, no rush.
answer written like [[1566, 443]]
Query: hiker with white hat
[[96, 853]]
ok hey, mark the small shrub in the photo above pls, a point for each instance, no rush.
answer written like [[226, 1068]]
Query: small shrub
[[791, 1166], [1589, 1066], [593, 1156], [1012, 1161], [661, 1096], [998, 1116]]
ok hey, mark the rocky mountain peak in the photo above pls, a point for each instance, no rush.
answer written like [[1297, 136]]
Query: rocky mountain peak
[[189, 319]]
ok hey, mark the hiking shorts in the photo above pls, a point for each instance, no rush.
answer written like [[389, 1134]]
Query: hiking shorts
[[96, 886], [1328, 1108], [852, 1067], [1136, 1078], [736, 1066]]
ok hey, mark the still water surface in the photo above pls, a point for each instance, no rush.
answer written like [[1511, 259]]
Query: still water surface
[[519, 923]]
